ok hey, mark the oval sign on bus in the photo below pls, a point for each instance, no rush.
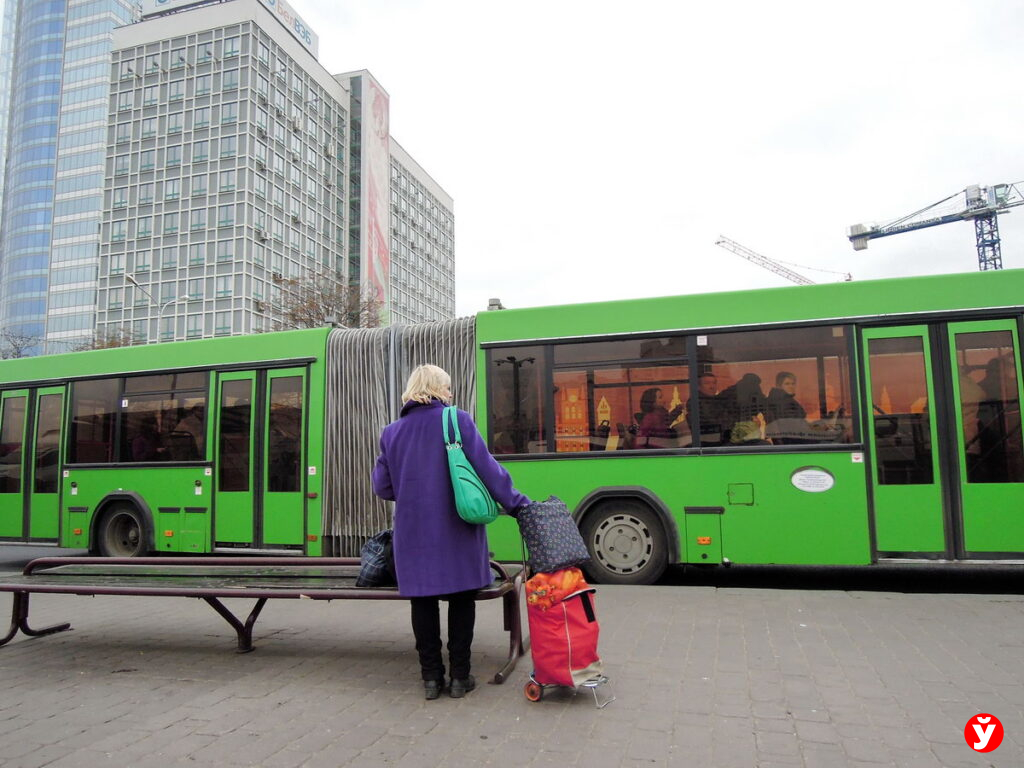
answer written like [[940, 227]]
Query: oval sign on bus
[[813, 479]]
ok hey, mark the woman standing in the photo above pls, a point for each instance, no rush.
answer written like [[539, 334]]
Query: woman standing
[[438, 556]]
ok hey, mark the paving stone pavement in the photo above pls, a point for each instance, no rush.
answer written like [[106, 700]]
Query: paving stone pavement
[[703, 676]]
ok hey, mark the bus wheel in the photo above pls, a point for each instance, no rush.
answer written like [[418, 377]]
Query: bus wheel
[[120, 533], [626, 542]]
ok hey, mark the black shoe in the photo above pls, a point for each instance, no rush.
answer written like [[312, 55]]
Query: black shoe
[[460, 688], [432, 689]]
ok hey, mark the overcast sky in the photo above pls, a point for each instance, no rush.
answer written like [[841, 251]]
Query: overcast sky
[[596, 150]]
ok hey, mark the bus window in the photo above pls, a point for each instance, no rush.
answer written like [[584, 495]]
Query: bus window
[[93, 412], [990, 407], [899, 388], [516, 376], [12, 434], [782, 387], [47, 443], [235, 420], [284, 452]]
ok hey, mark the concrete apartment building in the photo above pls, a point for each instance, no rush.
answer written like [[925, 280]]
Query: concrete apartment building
[[227, 163]]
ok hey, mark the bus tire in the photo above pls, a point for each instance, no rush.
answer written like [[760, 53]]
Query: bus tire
[[627, 543], [121, 533]]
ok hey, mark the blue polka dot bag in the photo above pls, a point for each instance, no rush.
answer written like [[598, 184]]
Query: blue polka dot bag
[[551, 536]]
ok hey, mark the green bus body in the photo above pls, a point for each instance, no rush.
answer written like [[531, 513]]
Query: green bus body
[[902, 437]]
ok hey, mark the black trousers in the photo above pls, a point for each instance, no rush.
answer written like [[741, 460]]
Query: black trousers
[[426, 626]]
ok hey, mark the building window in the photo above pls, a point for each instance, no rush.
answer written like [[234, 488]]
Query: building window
[[175, 122], [168, 260], [120, 197], [222, 323], [226, 216], [150, 95], [194, 326], [141, 265], [260, 186], [195, 289], [203, 84], [204, 52], [127, 70], [198, 219], [145, 226], [170, 223], [201, 117], [153, 63], [199, 185], [147, 160], [122, 163], [229, 112], [116, 263], [228, 146], [224, 283], [125, 101], [148, 128], [227, 181], [117, 231], [232, 47], [124, 133], [225, 250], [172, 155], [172, 189], [176, 90], [115, 298], [229, 80], [178, 59], [263, 54], [200, 151]]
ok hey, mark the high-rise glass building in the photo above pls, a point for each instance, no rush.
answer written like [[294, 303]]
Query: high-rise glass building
[[55, 54], [172, 167]]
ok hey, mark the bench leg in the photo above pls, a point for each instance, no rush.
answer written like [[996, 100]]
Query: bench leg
[[244, 630], [514, 627], [19, 620]]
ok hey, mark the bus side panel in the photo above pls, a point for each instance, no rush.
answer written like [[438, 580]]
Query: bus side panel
[[178, 497], [767, 519]]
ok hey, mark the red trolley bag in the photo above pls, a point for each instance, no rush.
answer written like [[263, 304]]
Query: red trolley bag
[[563, 642]]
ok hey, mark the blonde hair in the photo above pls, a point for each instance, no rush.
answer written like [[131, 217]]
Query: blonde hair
[[426, 382]]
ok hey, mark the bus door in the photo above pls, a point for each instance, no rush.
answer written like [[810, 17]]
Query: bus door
[[44, 497], [13, 421], [989, 452], [907, 492], [260, 433]]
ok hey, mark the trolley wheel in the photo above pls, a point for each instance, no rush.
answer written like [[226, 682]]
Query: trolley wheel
[[534, 691]]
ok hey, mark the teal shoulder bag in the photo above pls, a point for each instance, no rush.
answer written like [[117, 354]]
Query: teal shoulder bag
[[472, 499]]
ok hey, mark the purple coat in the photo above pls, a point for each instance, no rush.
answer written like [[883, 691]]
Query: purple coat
[[436, 552]]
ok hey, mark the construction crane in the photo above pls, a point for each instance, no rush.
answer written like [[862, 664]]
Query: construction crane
[[976, 203], [772, 265]]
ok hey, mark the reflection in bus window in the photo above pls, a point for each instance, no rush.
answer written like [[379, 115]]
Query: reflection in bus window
[[990, 407], [93, 412], [12, 435], [47, 443], [899, 389], [235, 418], [284, 451], [517, 423]]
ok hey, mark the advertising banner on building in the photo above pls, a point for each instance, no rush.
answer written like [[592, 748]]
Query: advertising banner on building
[[375, 223]]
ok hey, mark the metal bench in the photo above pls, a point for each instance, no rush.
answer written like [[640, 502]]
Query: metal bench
[[213, 578]]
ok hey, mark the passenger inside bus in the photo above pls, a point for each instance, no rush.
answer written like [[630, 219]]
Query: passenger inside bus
[[655, 420], [146, 442], [713, 411], [786, 418]]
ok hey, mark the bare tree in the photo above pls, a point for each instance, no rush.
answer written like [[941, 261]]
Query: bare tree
[[14, 344], [107, 339], [316, 301]]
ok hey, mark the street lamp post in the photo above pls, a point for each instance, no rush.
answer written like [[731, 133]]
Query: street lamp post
[[152, 301]]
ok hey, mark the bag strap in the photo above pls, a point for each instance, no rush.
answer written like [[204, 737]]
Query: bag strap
[[451, 412], [588, 607]]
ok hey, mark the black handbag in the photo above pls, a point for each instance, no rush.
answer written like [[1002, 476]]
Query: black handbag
[[551, 536], [377, 562]]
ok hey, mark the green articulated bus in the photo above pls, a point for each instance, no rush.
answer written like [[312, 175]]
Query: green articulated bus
[[847, 423]]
